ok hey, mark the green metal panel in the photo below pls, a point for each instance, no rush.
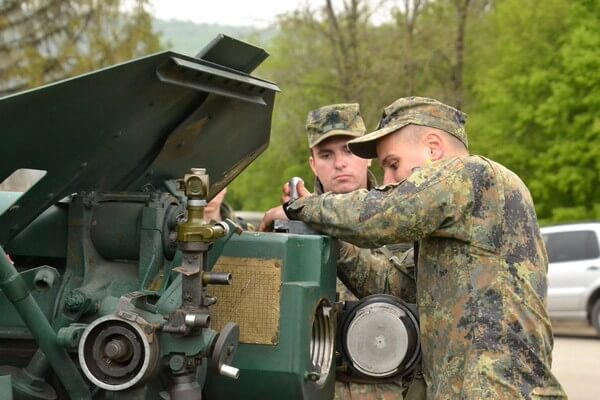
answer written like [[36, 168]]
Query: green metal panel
[[103, 218], [225, 50], [35, 240], [6, 387], [129, 126], [308, 277]]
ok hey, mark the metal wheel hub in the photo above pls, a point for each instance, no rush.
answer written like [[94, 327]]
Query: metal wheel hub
[[116, 354]]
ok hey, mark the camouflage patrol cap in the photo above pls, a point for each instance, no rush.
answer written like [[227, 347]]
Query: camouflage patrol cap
[[412, 110], [334, 120]]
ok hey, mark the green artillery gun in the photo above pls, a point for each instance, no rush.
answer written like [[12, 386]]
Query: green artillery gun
[[117, 288]]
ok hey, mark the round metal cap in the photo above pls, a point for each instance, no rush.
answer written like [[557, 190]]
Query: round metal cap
[[377, 340]]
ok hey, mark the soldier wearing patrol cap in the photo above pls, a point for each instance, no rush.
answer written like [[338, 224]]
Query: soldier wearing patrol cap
[[337, 170], [482, 264], [364, 271]]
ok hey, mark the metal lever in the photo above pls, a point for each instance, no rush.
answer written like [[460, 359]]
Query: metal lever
[[224, 350], [216, 278], [229, 371], [293, 189]]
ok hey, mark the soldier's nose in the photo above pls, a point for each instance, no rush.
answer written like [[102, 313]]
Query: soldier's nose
[[340, 162]]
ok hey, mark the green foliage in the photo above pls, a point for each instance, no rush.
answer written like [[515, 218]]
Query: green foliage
[[301, 64], [44, 40], [324, 55], [525, 71], [531, 73], [537, 100]]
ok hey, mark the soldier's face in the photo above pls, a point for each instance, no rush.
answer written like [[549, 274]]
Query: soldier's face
[[399, 154], [337, 168]]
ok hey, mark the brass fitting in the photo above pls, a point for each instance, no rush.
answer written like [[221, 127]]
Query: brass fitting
[[195, 185]]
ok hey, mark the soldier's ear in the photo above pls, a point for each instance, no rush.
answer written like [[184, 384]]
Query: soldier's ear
[[433, 140], [311, 162]]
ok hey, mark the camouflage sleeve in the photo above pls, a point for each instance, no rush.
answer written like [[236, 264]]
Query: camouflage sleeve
[[435, 196], [369, 271]]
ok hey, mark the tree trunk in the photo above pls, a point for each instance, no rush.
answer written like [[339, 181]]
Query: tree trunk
[[462, 8]]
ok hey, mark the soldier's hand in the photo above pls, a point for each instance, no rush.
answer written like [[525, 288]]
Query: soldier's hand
[[266, 225], [302, 192]]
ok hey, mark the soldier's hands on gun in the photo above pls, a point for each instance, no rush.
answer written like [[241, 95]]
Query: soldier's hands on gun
[[266, 225]]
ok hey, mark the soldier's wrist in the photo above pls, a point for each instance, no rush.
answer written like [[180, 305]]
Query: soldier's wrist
[[288, 213]]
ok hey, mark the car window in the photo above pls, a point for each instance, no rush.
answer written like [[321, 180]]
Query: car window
[[571, 246]]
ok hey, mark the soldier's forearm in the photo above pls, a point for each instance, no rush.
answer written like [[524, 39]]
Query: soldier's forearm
[[366, 271], [340, 216]]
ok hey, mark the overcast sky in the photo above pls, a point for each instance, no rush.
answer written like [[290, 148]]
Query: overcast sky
[[259, 13]]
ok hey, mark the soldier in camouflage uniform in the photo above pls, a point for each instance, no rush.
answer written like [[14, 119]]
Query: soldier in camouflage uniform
[[363, 271], [481, 271]]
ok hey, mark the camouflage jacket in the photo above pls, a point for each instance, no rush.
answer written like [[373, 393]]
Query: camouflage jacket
[[481, 274], [369, 271]]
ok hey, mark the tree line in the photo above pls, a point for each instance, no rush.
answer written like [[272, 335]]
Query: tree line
[[43, 41], [526, 72]]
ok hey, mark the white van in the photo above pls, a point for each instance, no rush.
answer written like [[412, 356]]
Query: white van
[[574, 272]]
